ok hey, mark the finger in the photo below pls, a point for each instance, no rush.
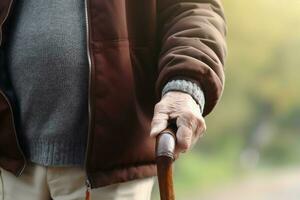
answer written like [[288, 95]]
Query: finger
[[184, 139], [159, 123], [188, 119], [201, 127], [192, 128]]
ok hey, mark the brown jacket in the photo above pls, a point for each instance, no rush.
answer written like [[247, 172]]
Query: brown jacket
[[134, 48]]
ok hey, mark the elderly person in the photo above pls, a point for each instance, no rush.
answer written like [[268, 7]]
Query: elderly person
[[86, 85]]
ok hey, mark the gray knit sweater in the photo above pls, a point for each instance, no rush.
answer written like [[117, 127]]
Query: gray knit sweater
[[48, 68]]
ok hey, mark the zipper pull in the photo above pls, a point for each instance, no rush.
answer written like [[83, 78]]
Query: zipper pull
[[88, 190]]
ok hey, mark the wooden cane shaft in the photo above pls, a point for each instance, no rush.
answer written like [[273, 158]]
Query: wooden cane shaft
[[165, 146], [165, 178]]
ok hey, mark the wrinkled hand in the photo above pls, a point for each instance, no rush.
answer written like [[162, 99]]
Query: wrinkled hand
[[190, 123]]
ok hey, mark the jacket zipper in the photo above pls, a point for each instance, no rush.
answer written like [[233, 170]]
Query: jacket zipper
[[5, 18], [88, 190], [88, 183], [10, 106]]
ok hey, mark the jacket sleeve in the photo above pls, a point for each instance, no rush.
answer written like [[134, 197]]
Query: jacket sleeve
[[192, 46]]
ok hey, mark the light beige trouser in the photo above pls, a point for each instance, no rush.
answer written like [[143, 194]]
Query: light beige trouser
[[66, 183]]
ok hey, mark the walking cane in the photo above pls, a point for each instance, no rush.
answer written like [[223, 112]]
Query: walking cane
[[165, 146]]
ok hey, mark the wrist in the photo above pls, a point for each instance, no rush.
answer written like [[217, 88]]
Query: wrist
[[188, 87]]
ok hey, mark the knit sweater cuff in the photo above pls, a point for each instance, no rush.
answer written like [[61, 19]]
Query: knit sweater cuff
[[188, 87]]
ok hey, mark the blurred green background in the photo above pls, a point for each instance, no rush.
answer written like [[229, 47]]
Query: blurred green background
[[253, 133]]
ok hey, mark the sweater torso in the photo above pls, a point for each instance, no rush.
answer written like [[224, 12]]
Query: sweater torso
[[48, 68]]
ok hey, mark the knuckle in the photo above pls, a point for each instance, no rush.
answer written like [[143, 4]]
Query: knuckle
[[201, 124], [184, 145], [156, 117], [184, 141], [189, 114], [198, 121], [159, 107], [201, 130], [153, 122], [204, 127], [192, 120]]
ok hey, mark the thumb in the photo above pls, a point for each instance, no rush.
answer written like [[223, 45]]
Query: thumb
[[159, 123]]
